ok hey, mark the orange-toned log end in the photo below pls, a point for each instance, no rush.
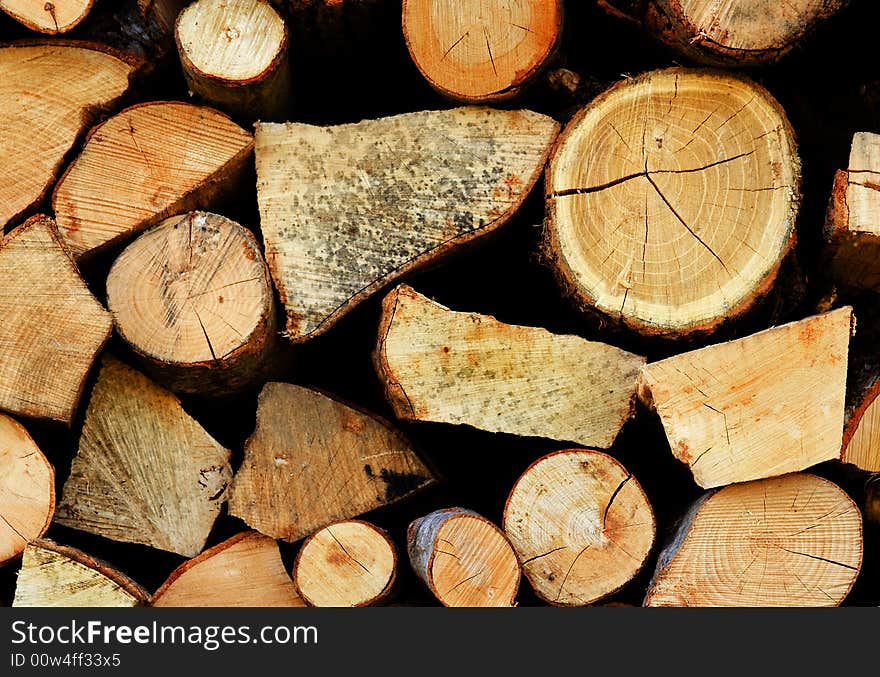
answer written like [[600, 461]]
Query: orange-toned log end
[[463, 559], [27, 490], [794, 540], [346, 564], [479, 50], [581, 526], [243, 571], [57, 16]]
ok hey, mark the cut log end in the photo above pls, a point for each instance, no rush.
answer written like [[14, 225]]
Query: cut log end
[[346, 564], [672, 200], [193, 298], [581, 526], [27, 490], [57, 16], [481, 51], [794, 540], [861, 435], [464, 559]]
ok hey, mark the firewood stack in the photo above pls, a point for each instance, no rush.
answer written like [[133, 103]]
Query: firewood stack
[[449, 314]]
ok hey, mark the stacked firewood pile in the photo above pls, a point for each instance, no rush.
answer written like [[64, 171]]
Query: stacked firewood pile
[[460, 302]]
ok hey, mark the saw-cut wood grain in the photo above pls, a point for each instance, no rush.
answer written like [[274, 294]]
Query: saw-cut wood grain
[[581, 526], [243, 571], [759, 406], [313, 460], [54, 575], [57, 16], [144, 164], [462, 368], [794, 540], [347, 209], [49, 94], [51, 327], [145, 471]]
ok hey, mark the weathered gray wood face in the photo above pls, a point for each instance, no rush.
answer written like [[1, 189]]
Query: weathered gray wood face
[[344, 210]]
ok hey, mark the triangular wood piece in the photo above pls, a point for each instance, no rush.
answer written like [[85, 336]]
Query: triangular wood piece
[[312, 461], [27, 489], [52, 327], [463, 368], [48, 17], [345, 210], [145, 471], [54, 575], [759, 406], [144, 164], [48, 94], [861, 433], [244, 571]]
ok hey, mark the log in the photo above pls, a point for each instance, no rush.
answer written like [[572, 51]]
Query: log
[[176, 158], [759, 406], [58, 16], [861, 433], [462, 368], [49, 95], [671, 201], [313, 460], [243, 571], [145, 471], [52, 327], [581, 526], [54, 575], [27, 490], [403, 191], [481, 51], [872, 499], [794, 540], [234, 56], [193, 299], [163, 12], [852, 226], [346, 564], [464, 559]]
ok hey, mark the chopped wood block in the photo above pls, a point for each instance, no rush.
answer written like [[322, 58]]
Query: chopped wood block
[[193, 298], [672, 199], [794, 541], [146, 163], [581, 526], [852, 226], [464, 559], [145, 471], [54, 575], [234, 55], [243, 571], [759, 406], [48, 97], [463, 368], [346, 564], [52, 327], [27, 490], [347, 209], [313, 461], [861, 434], [479, 50], [58, 16]]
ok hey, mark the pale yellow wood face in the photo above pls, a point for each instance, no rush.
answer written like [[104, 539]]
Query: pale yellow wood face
[[863, 449], [56, 16]]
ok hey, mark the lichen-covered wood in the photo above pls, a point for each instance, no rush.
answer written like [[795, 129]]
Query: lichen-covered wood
[[243, 571], [672, 199], [51, 328], [347, 209], [144, 164], [312, 461], [55, 575], [49, 94], [581, 526], [58, 16], [463, 368], [145, 471], [759, 406], [794, 540]]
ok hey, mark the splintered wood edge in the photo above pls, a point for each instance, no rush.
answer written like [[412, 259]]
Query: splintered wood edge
[[419, 262], [88, 4], [395, 561], [102, 567], [580, 298]]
